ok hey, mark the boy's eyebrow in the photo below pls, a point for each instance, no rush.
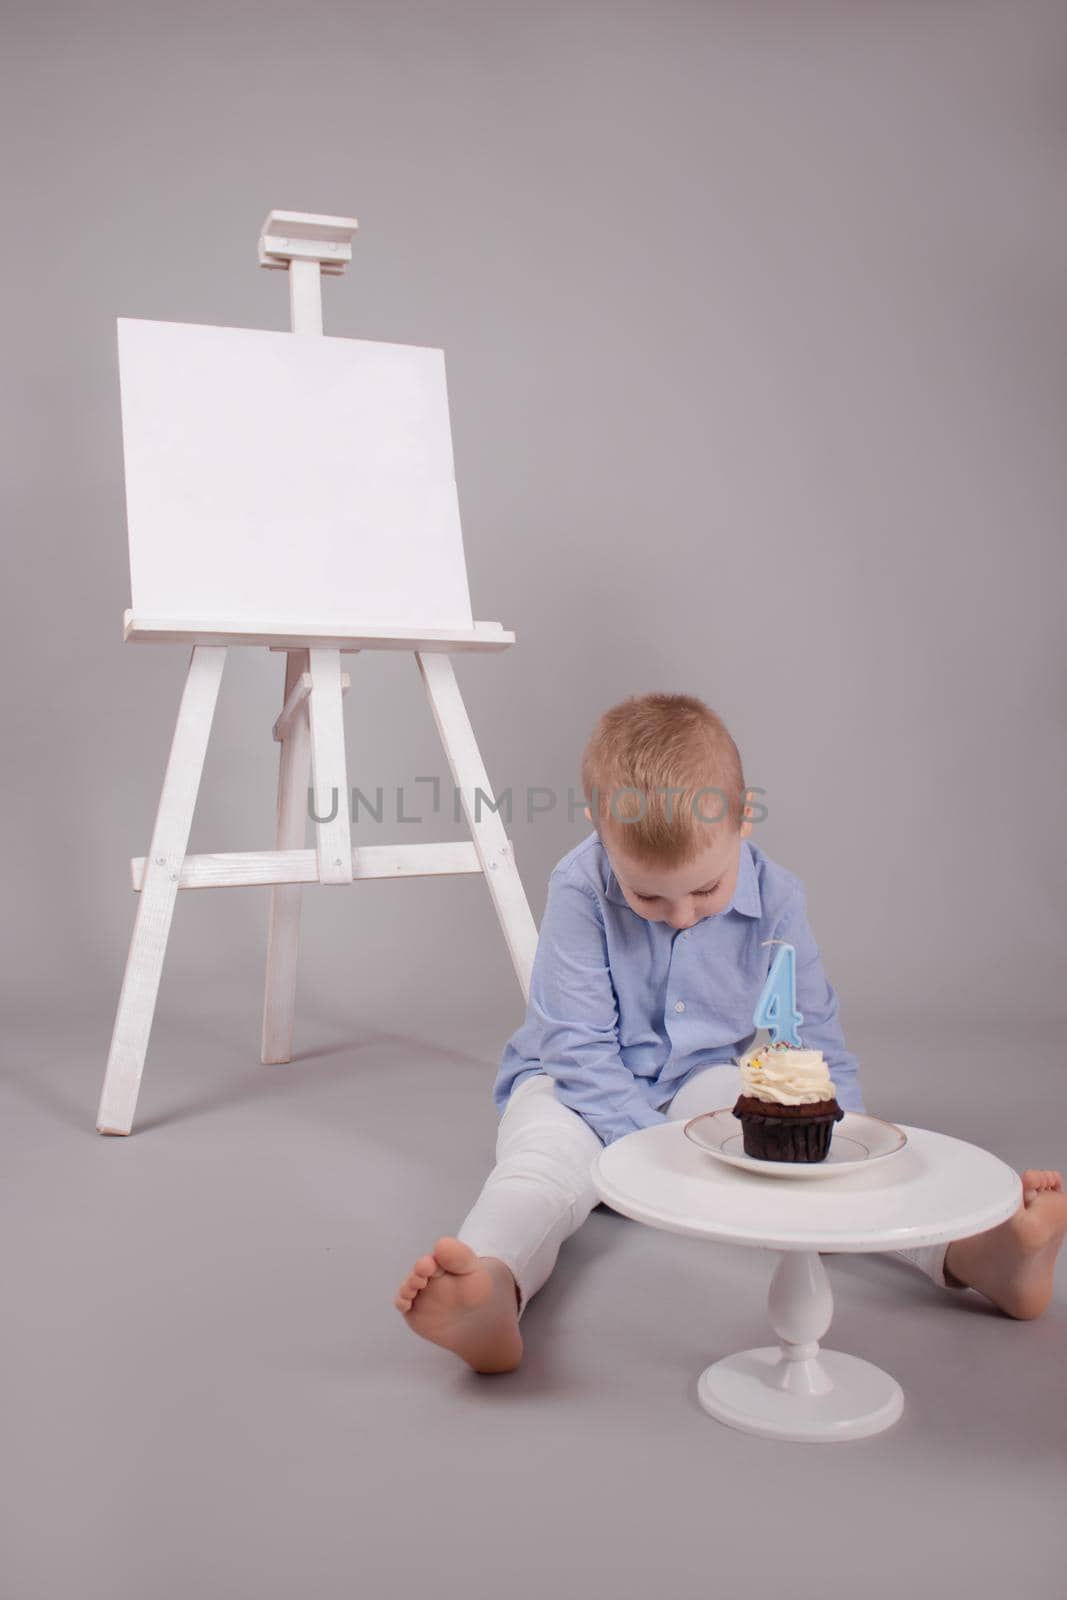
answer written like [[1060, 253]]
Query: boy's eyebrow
[[710, 885]]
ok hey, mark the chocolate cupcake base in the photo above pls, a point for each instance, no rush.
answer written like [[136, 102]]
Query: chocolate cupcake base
[[772, 1132]]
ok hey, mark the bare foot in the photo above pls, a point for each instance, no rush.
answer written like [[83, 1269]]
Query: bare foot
[[1013, 1264], [467, 1303]]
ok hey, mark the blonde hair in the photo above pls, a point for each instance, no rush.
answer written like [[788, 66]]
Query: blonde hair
[[648, 745]]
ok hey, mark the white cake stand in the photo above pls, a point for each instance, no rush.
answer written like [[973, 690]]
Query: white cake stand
[[934, 1190]]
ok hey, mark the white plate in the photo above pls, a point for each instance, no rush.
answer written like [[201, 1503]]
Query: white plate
[[857, 1141]]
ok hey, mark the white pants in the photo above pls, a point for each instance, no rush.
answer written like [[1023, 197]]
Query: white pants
[[540, 1189]]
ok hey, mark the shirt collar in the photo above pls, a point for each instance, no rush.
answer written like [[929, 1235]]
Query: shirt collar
[[746, 890], [746, 898]]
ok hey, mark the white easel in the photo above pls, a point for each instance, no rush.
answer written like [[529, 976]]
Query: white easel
[[310, 731]]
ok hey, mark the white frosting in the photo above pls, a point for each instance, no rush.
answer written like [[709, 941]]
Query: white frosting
[[785, 1075]]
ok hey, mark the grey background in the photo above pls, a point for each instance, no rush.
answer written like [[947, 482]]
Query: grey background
[[753, 318]]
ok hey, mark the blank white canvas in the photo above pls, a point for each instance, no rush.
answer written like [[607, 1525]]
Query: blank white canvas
[[288, 477]]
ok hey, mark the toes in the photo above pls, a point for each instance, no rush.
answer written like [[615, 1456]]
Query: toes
[[455, 1256]]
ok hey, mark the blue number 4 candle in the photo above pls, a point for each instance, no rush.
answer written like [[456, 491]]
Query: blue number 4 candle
[[776, 1008]]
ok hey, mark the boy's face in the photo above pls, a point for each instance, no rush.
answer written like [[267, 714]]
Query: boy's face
[[681, 896]]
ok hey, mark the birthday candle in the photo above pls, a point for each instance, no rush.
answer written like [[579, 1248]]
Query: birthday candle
[[776, 1008]]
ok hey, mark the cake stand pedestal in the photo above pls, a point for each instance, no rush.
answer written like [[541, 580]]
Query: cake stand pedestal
[[936, 1189], [795, 1389]]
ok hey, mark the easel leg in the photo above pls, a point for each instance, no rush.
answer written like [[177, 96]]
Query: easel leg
[[283, 936], [494, 849], [333, 835], [170, 838]]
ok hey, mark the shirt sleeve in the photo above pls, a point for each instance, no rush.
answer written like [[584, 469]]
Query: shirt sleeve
[[818, 1004], [573, 1001]]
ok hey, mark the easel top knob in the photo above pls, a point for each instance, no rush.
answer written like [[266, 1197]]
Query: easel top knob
[[302, 236]]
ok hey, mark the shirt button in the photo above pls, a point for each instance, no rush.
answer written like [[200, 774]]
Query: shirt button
[[685, 935], [679, 1005]]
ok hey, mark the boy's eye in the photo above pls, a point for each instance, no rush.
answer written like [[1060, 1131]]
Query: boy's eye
[[650, 897]]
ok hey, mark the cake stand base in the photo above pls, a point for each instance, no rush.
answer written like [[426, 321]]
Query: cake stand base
[[741, 1391], [796, 1389]]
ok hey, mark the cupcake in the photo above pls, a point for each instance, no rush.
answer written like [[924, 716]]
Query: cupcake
[[787, 1106]]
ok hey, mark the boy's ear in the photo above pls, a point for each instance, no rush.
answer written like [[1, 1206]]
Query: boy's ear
[[588, 814], [746, 826]]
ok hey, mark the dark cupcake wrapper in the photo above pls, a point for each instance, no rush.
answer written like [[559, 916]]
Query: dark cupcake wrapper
[[793, 1136]]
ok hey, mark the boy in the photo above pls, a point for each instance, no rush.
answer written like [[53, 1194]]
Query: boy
[[649, 963]]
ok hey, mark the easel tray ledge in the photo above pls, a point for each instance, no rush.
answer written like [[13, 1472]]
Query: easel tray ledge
[[288, 635]]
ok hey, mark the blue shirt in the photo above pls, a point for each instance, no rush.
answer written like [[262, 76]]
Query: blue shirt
[[622, 1011]]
